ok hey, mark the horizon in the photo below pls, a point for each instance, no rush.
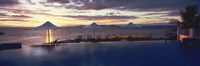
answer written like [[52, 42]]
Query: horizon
[[32, 13], [144, 25]]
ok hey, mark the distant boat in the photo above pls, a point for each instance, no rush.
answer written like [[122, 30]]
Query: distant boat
[[1, 33]]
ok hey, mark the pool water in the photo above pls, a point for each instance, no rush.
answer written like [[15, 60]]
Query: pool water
[[124, 53]]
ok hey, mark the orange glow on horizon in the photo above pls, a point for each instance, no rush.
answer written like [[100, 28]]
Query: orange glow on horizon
[[32, 13], [60, 21]]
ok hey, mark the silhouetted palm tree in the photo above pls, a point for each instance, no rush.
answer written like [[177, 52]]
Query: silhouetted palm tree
[[190, 17], [190, 20]]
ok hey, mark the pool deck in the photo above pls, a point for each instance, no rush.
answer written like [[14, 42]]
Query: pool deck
[[4, 46], [108, 40]]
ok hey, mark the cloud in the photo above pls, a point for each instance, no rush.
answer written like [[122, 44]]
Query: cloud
[[5, 17], [155, 13], [171, 13], [20, 16], [174, 13], [12, 20], [108, 10], [2, 14], [101, 17], [133, 4], [8, 2], [114, 4], [58, 1], [139, 5]]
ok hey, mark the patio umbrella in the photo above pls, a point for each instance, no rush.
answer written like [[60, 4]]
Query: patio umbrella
[[47, 26], [130, 25], [93, 26]]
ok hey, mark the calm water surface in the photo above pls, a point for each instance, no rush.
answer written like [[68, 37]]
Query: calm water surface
[[137, 53], [124, 53]]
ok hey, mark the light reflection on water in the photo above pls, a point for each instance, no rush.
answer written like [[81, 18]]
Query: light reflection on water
[[136, 53]]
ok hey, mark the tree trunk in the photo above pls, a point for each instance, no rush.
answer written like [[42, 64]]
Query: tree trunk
[[178, 32], [191, 32]]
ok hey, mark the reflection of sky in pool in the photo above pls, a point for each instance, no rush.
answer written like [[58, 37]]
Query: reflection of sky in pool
[[146, 53]]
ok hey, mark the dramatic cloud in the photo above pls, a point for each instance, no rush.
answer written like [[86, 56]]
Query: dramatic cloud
[[87, 11], [2, 14], [171, 13], [8, 2], [126, 4], [12, 20], [112, 4], [156, 13], [174, 13], [4, 17], [20, 16], [101, 17], [59, 1]]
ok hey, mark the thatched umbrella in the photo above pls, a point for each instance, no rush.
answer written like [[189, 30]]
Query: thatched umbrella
[[47, 26], [93, 26], [130, 25]]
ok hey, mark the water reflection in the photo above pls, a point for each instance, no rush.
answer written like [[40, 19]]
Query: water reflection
[[144, 53], [192, 53], [29, 51]]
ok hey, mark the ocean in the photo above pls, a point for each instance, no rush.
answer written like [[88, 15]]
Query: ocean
[[37, 36]]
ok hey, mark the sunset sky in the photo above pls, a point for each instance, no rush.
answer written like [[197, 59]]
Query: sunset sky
[[32, 13]]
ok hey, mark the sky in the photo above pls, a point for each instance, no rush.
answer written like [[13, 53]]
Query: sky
[[32, 13]]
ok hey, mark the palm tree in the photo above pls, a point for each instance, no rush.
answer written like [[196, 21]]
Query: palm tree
[[190, 17], [178, 26]]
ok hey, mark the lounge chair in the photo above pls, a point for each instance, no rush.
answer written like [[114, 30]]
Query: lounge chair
[[79, 39], [126, 36], [141, 36], [136, 36], [149, 36], [114, 38], [120, 37], [99, 38], [89, 38], [107, 38], [129, 37]]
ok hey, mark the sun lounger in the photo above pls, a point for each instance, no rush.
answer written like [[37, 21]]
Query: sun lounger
[[89, 38], [79, 39], [141, 36], [129, 37], [107, 38], [120, 37], [149, 36], [114, 38], [99, 38], [136, 36]]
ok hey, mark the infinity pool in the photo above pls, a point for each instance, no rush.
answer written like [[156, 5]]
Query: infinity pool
[[136, 53]]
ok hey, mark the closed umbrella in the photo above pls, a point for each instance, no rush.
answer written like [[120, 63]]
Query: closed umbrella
[[47, 26], [93, 26]]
